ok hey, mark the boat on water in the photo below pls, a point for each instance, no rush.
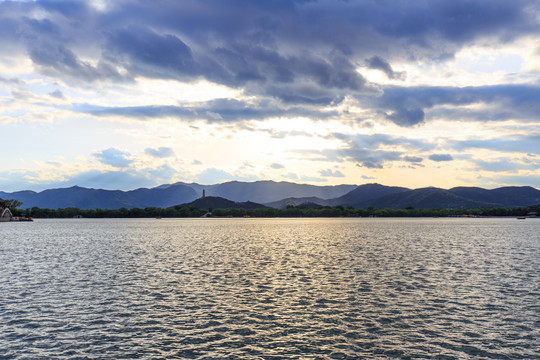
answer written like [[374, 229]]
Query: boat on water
[[521, 217], [21, 218]]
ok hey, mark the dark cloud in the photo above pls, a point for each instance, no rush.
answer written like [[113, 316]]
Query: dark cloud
[[440, 157], [522, 143], [407, 106], [363, 157], [57, 60], [371, 151], [407, 117], [114, 157], [42, 27], [219, 110], [374, 141], [162, 152], [457, 21], [379, 63], [503, 165], [147, 53], [297, 52], [57, 94], [413, 159], [371, 159], [15, 81]]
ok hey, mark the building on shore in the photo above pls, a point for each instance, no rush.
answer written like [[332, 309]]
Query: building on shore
[[5, 213]]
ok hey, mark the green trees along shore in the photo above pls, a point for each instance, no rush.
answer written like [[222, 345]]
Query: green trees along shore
[[290, 211]]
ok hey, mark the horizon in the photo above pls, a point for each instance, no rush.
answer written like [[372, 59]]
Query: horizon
[[127, 95]]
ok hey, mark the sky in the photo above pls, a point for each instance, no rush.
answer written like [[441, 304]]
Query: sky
[[130, 93]]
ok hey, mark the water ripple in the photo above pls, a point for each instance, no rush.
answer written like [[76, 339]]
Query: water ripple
[[270, 289]]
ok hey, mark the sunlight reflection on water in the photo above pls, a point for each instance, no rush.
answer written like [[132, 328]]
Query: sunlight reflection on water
[[270, 288]]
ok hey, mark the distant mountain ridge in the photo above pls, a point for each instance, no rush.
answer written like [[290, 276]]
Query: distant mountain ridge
[[380, 196], [84, 198], [279, 195], [424, 198], [510, 196], [268, 191]]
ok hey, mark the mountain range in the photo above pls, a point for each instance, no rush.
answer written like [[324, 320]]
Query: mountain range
[[279, 195]]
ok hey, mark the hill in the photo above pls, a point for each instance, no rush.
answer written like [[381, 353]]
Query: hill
[[380, 196], [424, 198], [216, 202], [282, 204], [367, 192], [509, 196]]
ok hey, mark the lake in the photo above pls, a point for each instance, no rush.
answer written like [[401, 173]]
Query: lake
[[270, 289]]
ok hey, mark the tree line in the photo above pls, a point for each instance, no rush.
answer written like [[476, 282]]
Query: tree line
[[290, 211]]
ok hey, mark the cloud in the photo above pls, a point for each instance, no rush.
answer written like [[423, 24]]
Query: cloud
[[162, 152], [330, 173], [58, 61], [407, 117], [505, 165], [57, 94], [375, 141], [145, 52], [365, 177], [509, 143], [217, 110], [372, 151], [296, 52], [379, 63], [291, 176], [68, 61], [114, 157], [15, 81], [440, 157], [413, 159], [408, 106], [277, 166]]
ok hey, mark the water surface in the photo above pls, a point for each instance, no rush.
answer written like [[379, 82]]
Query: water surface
[[270, 289]]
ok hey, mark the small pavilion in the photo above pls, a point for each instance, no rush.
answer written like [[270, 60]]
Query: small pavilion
[[5, 213]]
